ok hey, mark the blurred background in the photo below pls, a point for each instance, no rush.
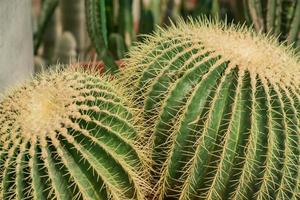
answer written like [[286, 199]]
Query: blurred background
[[63, 29]]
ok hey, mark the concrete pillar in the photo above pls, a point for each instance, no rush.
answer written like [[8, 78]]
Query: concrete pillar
[[16, 46]]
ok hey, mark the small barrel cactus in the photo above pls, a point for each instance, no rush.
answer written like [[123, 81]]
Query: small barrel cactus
[[70, 135], [222, 104]]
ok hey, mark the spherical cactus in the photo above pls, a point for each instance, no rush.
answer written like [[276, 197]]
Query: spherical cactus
[[70, 135], [222, 105]]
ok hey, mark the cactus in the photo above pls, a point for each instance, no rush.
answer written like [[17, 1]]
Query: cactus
[[48, 9], [197, 8], [70, 135], [65, 49], [147, 19], [125, 20], [73, 20], [281, 18], [50, 37], [97, 28], [222, 104], [117, 46]]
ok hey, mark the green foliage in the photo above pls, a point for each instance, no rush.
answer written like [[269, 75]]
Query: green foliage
[[222, 107], [281, 18], [70, 135]]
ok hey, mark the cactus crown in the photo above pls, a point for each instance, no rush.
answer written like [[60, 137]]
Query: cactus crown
[[222, 104], [243, 47], [70, 135]]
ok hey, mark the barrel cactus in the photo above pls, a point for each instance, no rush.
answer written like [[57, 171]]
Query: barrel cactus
[[222, 107], [70, 135]]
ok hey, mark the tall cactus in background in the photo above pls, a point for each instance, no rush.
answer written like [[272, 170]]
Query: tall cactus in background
[[222, 104], [47, 11], [125, 21], [65, 49], [196, 8], [281, 18], [70, 135], [117, 46], [147, 18], [73, 21], [97, 28], [50, 37]]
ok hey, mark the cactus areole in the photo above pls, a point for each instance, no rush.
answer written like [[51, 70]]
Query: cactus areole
[[69, 135], [222, 104]]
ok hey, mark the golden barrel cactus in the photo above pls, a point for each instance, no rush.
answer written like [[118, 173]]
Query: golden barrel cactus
[[70, 135], [222, 107]]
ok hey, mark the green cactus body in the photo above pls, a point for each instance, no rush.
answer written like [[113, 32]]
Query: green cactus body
[[65, 50], [96, 23], [70, 135], [147, 19], [222, 106], [125, 21], [117, 46], [97, 28]]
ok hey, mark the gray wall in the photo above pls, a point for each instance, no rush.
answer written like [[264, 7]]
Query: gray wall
[[16, 48]]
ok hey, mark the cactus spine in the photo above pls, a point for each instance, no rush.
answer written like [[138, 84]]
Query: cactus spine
[[70, 135], [222, 104]]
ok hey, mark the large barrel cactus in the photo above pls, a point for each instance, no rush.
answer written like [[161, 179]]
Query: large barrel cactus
[[222, 107], [70, 135]]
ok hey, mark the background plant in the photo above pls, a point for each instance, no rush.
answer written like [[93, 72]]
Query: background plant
[[115, 25], [281, 18]]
